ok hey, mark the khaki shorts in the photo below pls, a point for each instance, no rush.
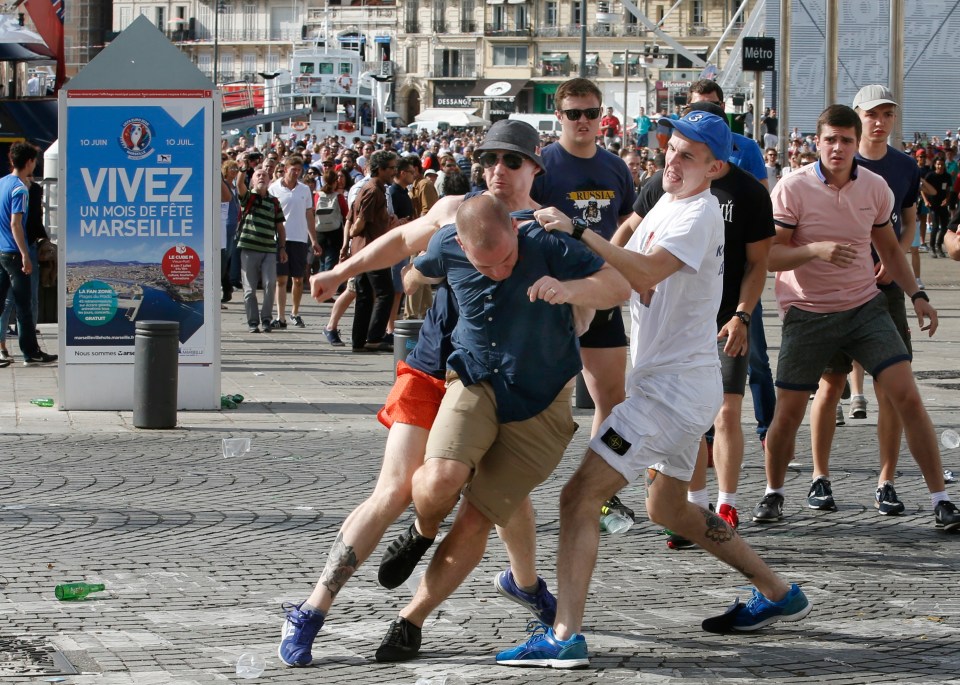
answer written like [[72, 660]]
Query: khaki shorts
[[507, 460]]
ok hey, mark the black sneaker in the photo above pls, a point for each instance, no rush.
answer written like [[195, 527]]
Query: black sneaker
[[821, 495], [333, 337], [948, 518], [401, 557], [887, 501], [40, 358], [278, 323], [401, 643], [297, 321], [267, 326], [675, 541], [254, 329], [770, 509]]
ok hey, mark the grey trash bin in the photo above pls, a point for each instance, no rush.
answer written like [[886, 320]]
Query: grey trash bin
[[155, 369], [405, 336]]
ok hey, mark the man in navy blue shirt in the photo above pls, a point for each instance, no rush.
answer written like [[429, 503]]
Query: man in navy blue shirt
[[505, 419], [585, 181]]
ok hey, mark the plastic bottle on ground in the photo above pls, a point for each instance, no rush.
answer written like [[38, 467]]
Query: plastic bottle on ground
[[250, 666]]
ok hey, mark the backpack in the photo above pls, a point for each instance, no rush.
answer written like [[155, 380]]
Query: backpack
[[328, 217]]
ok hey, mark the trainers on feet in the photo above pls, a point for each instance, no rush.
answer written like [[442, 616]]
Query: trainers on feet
[[254, 329], [278, 323], [267, 326], [401, 643], [544, 649], [333, 337], [887, 501], [769, 509], [675, 541], [40, 358], [729, 514], [948, 518], [298, 321], [821, 495], [5, 356], [614, 504], [541, 604], [759, 612], [858, 407], [840, 420], [299, 631], [401, 557]]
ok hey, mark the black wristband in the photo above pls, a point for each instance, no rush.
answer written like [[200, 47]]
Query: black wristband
[[919, 295], [579, 226]]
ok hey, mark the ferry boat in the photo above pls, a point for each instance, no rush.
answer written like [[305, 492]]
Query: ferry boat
[[343, 95]]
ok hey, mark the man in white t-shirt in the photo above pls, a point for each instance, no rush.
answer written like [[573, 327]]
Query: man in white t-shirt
[[297, 204], [674, 263]]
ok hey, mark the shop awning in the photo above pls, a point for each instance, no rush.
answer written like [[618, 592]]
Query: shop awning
[[555, 57], [618, 58], [381, 39], [593, 58], [497, 89]]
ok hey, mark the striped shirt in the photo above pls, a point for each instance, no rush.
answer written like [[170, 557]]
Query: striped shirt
[[258, 231]]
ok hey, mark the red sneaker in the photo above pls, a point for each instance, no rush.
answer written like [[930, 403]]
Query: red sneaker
[[729, 514]]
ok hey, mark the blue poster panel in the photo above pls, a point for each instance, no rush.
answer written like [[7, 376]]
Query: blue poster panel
[[136, 180]]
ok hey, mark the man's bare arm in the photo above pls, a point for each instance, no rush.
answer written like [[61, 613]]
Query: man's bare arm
[[626, 230], [785, 256]]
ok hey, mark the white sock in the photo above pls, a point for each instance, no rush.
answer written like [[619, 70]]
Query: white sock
[[700, 497], [937, 497], [777, 491], [855, 397], [726, 498]]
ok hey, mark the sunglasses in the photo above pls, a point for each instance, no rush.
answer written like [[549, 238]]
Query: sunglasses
[[512, 160], [575, 114]]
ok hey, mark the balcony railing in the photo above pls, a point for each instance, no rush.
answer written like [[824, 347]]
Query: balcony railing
[[555, 68], [439, 26], [203, 33], [492, 30], [454, 72], [597, 30], [412, 26], [468, 26], [698, 30]]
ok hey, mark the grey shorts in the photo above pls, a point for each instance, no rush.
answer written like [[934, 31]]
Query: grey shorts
[[842, 363], [811, 340], [733, 370]]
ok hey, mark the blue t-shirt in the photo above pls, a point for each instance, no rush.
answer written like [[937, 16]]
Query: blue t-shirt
[[747, 156], [599, 190], [14, 199], [643, 125], [527, 351], [902, 174]]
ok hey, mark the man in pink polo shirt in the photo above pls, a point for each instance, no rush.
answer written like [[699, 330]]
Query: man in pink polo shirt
[[827, 215]]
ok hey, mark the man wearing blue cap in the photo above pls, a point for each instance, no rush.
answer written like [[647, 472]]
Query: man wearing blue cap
[[674, 266]]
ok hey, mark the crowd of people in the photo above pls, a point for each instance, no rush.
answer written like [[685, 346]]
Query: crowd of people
[[524, 248]]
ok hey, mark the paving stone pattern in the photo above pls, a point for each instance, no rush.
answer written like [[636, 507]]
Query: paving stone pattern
[[198, 551]]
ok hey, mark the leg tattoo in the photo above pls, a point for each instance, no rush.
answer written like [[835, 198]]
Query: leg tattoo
[[341, 564], [717, 529], [651, 476]]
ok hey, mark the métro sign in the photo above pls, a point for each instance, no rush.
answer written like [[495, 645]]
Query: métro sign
[[759, 54]]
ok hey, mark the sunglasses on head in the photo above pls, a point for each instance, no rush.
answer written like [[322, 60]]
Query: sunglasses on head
[[512, 160], [575, 114]]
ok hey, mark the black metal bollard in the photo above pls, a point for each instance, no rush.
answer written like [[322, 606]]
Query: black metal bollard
[[155, 369], [405, 336], [582, 399]]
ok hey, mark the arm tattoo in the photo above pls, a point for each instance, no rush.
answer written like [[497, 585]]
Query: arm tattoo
[[651, 476], [341, 564]]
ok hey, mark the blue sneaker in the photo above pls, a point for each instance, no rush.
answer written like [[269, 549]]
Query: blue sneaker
[[299, 631], [543, 649], [760, 612], [543, 605]]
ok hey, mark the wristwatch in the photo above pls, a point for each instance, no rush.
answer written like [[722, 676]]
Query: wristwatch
[[744, 317], [919, 295], [579, 226]]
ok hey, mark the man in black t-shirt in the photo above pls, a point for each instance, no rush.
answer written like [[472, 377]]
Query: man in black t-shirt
[[748, 232]]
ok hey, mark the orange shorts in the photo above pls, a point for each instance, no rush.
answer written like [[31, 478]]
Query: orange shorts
[[414, 399]]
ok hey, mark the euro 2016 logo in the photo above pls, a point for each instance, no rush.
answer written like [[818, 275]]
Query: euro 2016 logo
[[136, 138]]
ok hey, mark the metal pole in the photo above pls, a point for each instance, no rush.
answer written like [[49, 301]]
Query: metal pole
[[757, 103], [832, 53], [583, 38], [216, 41], [626, 67], [896, 68], [783, 111]]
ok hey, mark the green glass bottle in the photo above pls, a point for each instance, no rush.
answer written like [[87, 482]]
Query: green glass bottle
[[237, 398], [226, 402], [71, 591], [42, 401]]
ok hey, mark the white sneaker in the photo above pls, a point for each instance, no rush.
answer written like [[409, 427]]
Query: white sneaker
[[920, 284]]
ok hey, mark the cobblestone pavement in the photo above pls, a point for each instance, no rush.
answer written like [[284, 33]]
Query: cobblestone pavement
[[198, 551]]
